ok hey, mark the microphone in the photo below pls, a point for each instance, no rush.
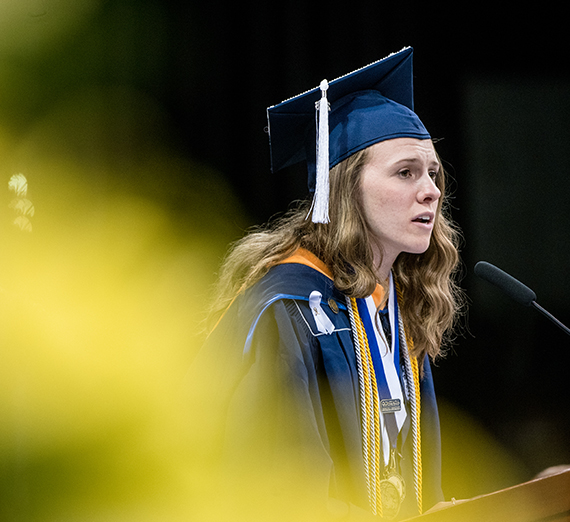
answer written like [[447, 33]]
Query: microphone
[[514, 289]]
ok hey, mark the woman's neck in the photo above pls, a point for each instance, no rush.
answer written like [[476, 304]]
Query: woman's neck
[[383, 266]]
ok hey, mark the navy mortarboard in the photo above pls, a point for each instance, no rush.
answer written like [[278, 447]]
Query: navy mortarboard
[[366, 106]]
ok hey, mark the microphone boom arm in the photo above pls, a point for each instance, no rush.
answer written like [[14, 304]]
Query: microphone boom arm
[[551, 317]]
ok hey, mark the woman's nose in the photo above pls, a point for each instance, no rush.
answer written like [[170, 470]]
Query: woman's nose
[[429, 190]]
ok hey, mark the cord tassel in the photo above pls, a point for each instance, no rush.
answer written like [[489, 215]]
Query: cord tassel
[[320, 205]]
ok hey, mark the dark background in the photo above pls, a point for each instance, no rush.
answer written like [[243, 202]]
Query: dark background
[[492, 81], [495, 85]]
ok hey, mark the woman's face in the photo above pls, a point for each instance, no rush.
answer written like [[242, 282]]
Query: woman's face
[[399, 197]]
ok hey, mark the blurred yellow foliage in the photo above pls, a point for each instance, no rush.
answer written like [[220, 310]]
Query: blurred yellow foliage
[[100, 317]]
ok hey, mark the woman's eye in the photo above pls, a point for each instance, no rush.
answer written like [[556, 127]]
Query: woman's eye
[[405, 173], [433, 174]]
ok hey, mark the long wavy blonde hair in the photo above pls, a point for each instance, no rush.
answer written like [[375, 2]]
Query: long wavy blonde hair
[[432, 300]]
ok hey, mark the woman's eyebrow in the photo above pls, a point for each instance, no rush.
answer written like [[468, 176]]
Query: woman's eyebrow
[[431, 163]]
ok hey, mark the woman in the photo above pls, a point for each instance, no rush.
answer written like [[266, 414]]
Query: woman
[[330, 316]]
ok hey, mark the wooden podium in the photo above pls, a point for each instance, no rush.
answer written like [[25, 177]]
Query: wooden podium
[[540, 500]]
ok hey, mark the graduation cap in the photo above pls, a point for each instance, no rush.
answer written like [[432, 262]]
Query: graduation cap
[[331, 122]]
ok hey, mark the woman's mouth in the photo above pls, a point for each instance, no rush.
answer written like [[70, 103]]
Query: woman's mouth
[[424, 219]]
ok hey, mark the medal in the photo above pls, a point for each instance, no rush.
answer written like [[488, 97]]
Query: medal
[[398, 481], [390, 499], [392, 490]]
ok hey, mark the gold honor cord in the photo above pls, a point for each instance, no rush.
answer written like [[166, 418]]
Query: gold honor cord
[[369, 408], [370, 411]]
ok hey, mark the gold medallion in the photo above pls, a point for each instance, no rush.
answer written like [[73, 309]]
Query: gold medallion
[[398, 481], [391, 499], [392, 490]]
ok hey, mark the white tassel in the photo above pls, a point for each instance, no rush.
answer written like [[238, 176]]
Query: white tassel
[[320, 206]]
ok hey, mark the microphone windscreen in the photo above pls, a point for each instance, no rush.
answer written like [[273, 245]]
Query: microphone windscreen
[[507, 283]]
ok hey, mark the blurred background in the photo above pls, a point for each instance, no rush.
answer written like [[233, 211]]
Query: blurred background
[[138, 127]]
